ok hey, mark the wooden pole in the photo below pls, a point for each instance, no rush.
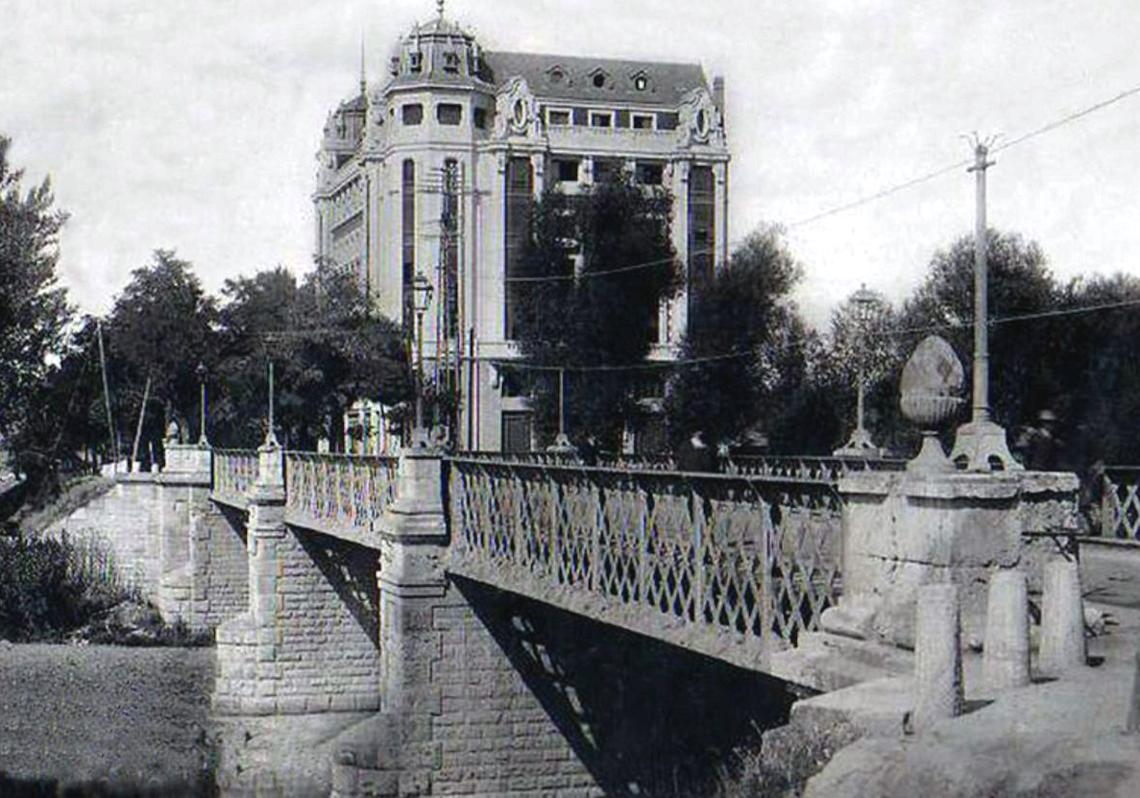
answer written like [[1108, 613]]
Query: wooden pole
[[107, 395], [142, 414]]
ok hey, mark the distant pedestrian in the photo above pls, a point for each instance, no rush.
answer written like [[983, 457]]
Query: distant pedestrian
[[695, 455], [1040, 444], [588, 451]]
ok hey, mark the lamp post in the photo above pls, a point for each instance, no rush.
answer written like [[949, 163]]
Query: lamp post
[[270, 435], [864, 306], [201, 372], [421, 300]]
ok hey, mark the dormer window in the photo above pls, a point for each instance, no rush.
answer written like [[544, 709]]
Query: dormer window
[[416, 61], [451, 62], [598, 79], [557, 75], [641, 81], [394, 66]]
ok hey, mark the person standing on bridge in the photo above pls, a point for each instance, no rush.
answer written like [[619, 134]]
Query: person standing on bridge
[[695, 455]]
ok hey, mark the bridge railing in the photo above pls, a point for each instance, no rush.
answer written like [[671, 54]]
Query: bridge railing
[[234, 472], [332, 492], [820, 469], [1120, 504], [816, 469], [756, 557]]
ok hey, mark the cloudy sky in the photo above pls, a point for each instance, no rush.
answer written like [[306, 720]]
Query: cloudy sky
[[193, 126]]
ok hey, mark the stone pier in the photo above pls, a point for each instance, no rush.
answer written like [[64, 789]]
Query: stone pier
[[903, 530]]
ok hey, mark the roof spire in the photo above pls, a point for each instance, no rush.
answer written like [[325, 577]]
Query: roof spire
[[363, 75], [439, 7]]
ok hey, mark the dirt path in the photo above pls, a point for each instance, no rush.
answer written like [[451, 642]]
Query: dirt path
[[127, 716]]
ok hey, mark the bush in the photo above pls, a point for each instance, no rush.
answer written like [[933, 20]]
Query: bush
[[50, 586]]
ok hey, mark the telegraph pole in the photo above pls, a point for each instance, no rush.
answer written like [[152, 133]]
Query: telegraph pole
[[107, 396], [981, 444], [981, 403]]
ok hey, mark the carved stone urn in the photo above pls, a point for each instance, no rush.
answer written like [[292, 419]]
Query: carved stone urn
[[930, 395]]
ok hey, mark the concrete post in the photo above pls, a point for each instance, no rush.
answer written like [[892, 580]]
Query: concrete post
[[1005, 662], [1062, 619], [1133, 724], [184, 491], [393, 753], [266, 531], [938, 656]]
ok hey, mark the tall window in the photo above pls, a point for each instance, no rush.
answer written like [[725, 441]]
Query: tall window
[[702, 220], [408, 241], [449, 219], [520, 189]]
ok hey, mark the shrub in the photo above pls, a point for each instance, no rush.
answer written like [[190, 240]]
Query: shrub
[[49, 586]]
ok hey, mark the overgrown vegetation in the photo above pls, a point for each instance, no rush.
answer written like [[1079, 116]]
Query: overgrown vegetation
[[53, 589]]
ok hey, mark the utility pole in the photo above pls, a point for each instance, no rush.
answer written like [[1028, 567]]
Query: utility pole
[[982, 443], [107, 396]]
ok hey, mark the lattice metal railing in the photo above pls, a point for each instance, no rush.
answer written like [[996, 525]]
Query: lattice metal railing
[[235, 471], [337, 491], [757, 557], [815, 469], [1120, 503]]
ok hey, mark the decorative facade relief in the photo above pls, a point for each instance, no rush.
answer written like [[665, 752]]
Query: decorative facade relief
[[700, 120], [516, 110]]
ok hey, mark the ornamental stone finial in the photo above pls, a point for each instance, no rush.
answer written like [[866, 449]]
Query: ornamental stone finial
[[439, 7], [930, 395]]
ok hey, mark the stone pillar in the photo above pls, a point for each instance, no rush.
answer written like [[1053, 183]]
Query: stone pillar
[[938, 656], [1062, 619], [248, 671], [1005, 662], [393, 753], [184, 501], [904, 530]]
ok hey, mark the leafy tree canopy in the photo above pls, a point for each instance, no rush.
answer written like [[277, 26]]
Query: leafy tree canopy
[[759, 350], [33, 308], [160, 328], [594, 272], [1022, 367], [328, 348]]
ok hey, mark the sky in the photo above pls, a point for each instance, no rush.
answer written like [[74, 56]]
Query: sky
[[194, 126]]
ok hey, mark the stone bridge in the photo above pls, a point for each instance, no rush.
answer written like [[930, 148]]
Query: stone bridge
[[482, 626]]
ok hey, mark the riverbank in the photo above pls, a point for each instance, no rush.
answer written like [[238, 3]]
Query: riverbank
[[109, 716]]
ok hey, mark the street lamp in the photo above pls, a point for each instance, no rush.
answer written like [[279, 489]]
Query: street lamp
[[865, 306], [421, 300], [201, 372]]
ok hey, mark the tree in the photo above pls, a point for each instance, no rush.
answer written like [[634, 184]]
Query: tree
[[1023, 374], [328, 346], [1097, 368], [161, 327], [33, 309], [751, 352], [593, 274]]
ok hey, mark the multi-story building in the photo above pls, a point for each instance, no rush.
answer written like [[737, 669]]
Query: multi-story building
[[431, 173]]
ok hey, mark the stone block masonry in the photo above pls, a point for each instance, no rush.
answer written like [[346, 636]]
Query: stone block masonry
[[126, 521], [308, 642]]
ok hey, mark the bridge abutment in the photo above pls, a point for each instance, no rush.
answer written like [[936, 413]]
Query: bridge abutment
[[202, 554]]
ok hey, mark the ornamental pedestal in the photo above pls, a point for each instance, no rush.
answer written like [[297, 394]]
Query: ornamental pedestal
[[905, 530]]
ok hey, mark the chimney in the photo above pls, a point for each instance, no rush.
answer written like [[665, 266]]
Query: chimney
[[718, 94]]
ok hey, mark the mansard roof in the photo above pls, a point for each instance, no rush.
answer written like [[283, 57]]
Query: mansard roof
[[565, 77]]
